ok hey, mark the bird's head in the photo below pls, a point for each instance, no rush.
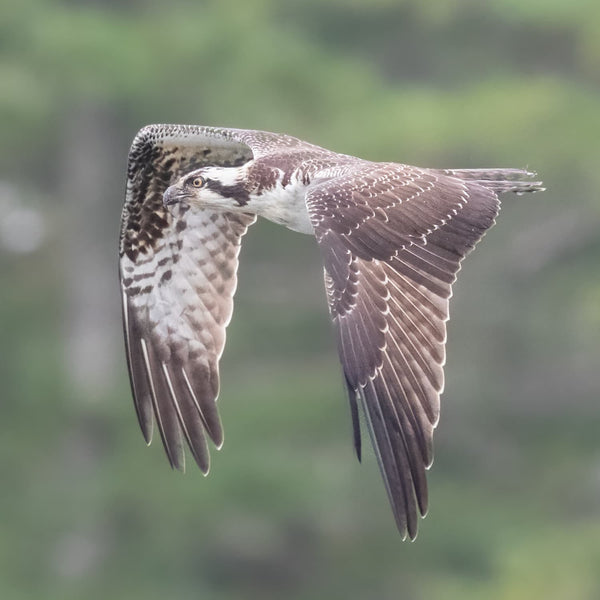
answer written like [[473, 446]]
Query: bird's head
[[223, 188]]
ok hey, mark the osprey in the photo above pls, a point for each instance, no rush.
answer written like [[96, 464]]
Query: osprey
[[391, 236]]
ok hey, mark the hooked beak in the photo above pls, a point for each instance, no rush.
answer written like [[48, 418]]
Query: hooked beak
[[172, 195]]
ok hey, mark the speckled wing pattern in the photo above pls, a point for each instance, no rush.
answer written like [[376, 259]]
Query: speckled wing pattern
[[392, 239], [178, 276]]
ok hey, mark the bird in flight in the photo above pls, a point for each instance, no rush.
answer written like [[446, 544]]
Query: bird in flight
[[391, 236]]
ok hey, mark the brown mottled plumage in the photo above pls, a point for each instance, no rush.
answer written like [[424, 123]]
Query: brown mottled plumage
[[392, 239]]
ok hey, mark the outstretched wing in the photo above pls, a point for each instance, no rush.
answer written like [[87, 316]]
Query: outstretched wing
[[392, 238], [178, 277]]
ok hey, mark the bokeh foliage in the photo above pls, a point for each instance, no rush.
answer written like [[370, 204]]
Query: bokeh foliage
[[87, 512]]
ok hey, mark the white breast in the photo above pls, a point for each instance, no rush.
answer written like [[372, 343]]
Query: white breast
[[284, 206]]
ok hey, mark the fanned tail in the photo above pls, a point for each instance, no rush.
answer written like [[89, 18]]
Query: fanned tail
[[499, 180]]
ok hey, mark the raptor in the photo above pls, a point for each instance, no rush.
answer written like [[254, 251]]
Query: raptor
[[392, 238]]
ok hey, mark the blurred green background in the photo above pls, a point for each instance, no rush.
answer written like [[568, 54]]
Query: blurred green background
[[86, 511]]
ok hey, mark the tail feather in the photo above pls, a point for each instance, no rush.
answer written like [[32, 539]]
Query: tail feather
[[499, 180]]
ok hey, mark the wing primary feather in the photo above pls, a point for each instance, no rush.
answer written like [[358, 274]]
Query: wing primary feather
[[168, 425], [198, 385], [408, 390], [355, 419], [189, 420], [213, 427], [392, 436], [405, 427], [396, 477], [137, 376]]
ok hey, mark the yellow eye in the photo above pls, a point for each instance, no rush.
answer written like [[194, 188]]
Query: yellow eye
[[198, 182]]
